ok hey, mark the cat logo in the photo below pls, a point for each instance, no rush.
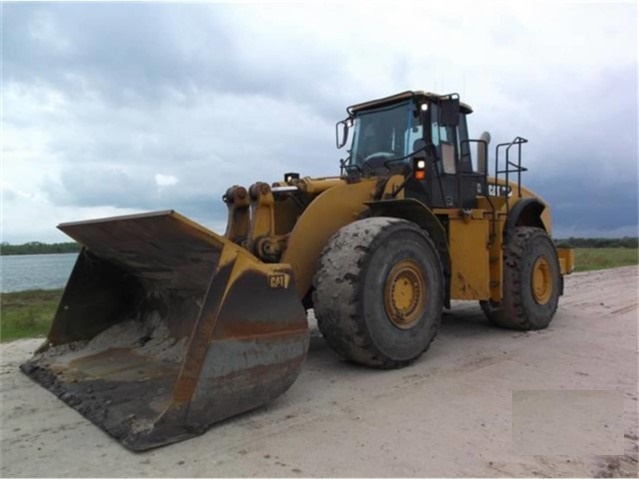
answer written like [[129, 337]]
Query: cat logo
[[279, 280], [499, 190]]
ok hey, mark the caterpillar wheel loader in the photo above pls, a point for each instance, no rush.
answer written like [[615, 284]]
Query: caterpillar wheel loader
[[166, 328]]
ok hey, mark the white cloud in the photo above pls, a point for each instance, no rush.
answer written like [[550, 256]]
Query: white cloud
[[165, 180]]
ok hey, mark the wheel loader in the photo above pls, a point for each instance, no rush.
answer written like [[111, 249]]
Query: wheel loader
[[166, 328]]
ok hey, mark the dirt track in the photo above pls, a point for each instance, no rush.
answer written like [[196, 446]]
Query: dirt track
[[461, 410]]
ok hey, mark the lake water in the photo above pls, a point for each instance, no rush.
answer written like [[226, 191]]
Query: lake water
[[36, 271]]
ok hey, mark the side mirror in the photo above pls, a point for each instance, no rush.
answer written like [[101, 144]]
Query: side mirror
[[449, 111], [341, 137]]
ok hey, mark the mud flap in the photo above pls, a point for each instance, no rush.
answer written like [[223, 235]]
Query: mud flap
[[165, 328]]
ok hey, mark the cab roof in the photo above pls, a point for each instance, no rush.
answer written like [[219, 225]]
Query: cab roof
[[416, 94]]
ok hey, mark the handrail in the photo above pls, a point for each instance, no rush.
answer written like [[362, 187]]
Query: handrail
[[517, 168]]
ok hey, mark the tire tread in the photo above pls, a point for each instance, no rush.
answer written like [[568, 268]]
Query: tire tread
[[336, 295], [512, 314]]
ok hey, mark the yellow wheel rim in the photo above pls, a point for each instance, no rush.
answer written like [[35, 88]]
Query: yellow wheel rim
[[542, 283], [405, 294]]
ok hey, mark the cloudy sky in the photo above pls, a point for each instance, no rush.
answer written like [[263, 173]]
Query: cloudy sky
[[121, 108]]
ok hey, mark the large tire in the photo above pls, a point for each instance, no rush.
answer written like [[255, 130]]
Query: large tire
[[532, 282], [379, 292]]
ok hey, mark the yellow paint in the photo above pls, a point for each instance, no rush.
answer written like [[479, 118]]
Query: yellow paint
[[262, 215], [314, 186], [286, 214], [330, 211], [566, 260], [392, 185], [525, 193], [241, 261], [239, 219], [496, 259], [542, 283], [469, 254], [476, 253], [229, 251], [405, 294]]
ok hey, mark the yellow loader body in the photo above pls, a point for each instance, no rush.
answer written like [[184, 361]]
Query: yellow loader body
[[166, 328]]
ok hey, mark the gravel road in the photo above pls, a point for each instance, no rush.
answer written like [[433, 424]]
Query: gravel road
[[482, 402]]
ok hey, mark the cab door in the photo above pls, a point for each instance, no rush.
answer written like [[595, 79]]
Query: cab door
[[456, 182]]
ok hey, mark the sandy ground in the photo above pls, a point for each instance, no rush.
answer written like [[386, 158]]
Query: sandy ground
[[481, 402]]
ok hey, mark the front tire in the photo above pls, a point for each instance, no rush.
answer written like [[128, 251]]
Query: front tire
[[379, 292], [532, 282]]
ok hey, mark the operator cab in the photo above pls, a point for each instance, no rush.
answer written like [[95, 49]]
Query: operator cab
[[388, 134], [384, 134]]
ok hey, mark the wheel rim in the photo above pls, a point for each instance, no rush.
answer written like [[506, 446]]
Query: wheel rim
[[405, 294], [542, 283]]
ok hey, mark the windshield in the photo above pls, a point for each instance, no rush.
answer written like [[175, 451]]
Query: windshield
[[385, 133]]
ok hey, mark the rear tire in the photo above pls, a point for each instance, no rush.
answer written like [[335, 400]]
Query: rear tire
[[532, 282], [379, 292]]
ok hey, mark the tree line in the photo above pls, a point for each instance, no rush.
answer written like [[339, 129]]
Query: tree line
[[36, 247], [625, 242]]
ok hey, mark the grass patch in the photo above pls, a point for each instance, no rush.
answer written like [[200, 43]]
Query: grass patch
[[27, 314], [589, 259]]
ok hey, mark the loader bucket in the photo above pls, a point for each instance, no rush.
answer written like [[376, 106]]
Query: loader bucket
[[165, 328]]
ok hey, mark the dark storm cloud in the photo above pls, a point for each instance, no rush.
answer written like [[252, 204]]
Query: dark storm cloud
[[100, 99], [118, 47], [136, 53], [582, 150], [589, 206]]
